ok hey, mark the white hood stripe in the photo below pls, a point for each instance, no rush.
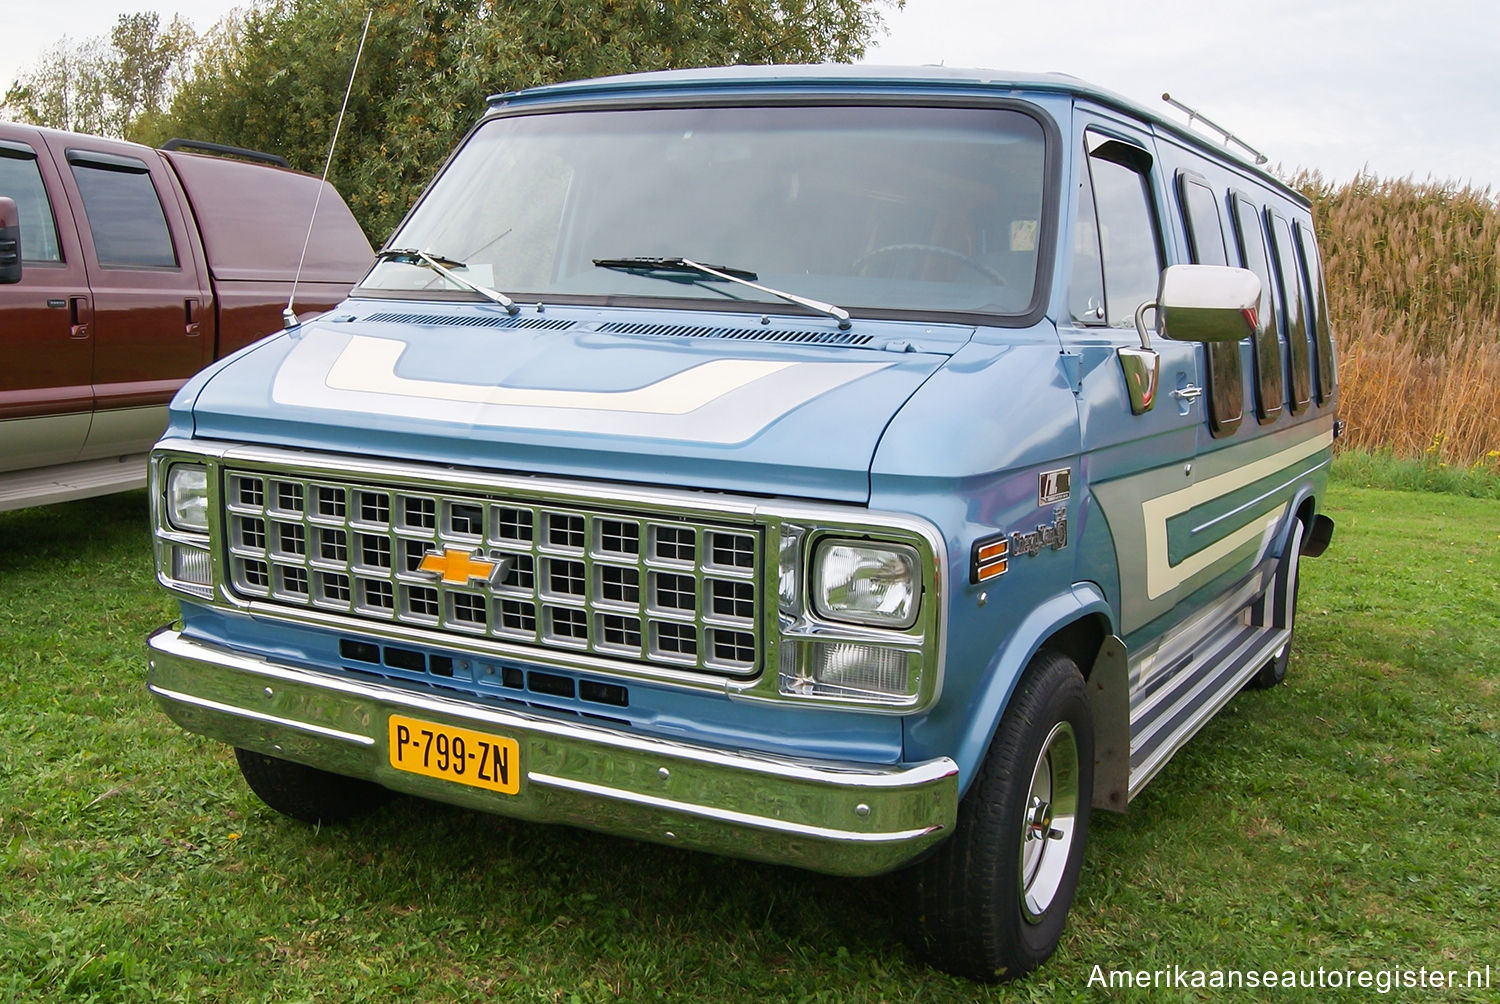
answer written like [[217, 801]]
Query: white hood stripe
[[369, 364], [720, 401]]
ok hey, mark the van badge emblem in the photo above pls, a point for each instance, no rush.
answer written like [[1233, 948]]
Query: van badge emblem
[[1053, 486], [1053, 535], [457, 566]]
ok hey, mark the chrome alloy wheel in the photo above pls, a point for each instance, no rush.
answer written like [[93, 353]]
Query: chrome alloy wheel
[[1048, 824]]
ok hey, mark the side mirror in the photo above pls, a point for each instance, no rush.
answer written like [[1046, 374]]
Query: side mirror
[[1194, 303], [10, 242], [1207, 303]]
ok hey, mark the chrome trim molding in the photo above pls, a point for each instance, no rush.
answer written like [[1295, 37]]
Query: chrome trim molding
[[729, 815], [834, 817], [165, 695]]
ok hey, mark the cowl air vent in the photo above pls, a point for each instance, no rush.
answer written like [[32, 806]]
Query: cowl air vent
[[738, 334], [470, 321]]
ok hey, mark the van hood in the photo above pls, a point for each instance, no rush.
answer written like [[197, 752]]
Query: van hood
[[781, 406]]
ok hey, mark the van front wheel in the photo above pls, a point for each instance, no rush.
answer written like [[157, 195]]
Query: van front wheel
[[991, 901], [307, 793]]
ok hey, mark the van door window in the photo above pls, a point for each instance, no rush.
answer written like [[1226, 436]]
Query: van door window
[[1269, 385], [125, 217], [1129, 238], [1086, 285], [1317, 304], [21, 181], [1294, 317], [1226, 385]]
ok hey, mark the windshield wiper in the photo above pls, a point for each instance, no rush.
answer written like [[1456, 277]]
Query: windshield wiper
[[739, 275], [645, 264], [444, 267]]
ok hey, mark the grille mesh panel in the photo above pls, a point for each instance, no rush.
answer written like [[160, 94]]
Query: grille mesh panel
[[524, 571]]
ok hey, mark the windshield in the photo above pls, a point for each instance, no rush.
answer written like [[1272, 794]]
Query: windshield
[[897, 208]]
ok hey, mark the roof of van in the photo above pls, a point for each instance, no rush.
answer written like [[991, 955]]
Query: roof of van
[[839, 77]]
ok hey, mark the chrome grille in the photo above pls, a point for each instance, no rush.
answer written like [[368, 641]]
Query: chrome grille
[[612, 584]]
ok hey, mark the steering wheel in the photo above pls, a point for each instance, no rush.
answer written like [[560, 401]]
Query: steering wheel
[[932, 249]]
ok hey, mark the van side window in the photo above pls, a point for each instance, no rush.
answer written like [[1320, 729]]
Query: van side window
[[1226, 386], [1317, 303], [125, 216], [1270, 388], [1294, 317], [1129, 240], [1200, 209], [21, 181]]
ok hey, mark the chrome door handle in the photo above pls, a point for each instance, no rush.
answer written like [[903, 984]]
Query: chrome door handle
[[1188, 393]]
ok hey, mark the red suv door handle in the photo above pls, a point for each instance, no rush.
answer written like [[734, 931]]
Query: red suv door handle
[[190, 313], [80, 315]]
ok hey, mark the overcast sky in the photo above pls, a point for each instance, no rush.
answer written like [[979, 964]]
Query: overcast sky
[[1397, 87]]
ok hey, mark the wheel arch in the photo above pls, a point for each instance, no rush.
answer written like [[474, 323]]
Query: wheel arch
[[1080, 625], [1304, 509]]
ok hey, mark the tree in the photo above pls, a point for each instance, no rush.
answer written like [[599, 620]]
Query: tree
[[143, 58], [272, 77], [64, 89], [104, 86]]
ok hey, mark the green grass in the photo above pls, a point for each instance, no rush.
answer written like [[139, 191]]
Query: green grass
[[1426, 474], [1345, 820]]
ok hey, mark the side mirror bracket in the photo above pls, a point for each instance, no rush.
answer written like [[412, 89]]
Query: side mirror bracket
[[1142, 365]]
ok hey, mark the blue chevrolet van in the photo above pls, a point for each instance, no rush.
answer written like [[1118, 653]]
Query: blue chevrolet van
[[864, 470]]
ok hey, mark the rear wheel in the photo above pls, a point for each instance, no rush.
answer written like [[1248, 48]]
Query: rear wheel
[[307, 793], [991, 902]]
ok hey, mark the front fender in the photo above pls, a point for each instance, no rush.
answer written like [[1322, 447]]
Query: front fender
[[964, 732]]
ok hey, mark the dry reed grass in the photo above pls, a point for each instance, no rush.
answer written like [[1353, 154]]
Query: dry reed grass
[[1413, 273]]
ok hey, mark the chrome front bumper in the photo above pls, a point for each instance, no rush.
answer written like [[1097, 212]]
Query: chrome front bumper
[[838, 818]]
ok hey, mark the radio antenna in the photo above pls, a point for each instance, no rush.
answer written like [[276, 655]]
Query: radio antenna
[[1229, 137], [289, 316]]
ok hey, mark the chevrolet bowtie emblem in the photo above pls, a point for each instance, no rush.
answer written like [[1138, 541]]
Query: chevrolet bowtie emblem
[[457, 567]]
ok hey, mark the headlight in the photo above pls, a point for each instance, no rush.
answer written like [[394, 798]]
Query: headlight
[[187, 497], [873, 584]]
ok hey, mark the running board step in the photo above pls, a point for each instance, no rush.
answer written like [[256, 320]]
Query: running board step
[[1199, 687], [66, 482]]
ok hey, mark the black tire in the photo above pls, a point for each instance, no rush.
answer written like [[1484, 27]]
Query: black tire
[[1288, 581], [307, 793], [990, 903]]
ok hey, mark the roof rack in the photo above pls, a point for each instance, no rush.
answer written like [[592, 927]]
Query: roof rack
[[1229, 137], [228, 151]]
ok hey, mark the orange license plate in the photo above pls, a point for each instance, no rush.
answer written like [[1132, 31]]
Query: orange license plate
[[451, 754]]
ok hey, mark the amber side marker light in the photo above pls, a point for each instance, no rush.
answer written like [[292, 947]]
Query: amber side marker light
[[989, 559]]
